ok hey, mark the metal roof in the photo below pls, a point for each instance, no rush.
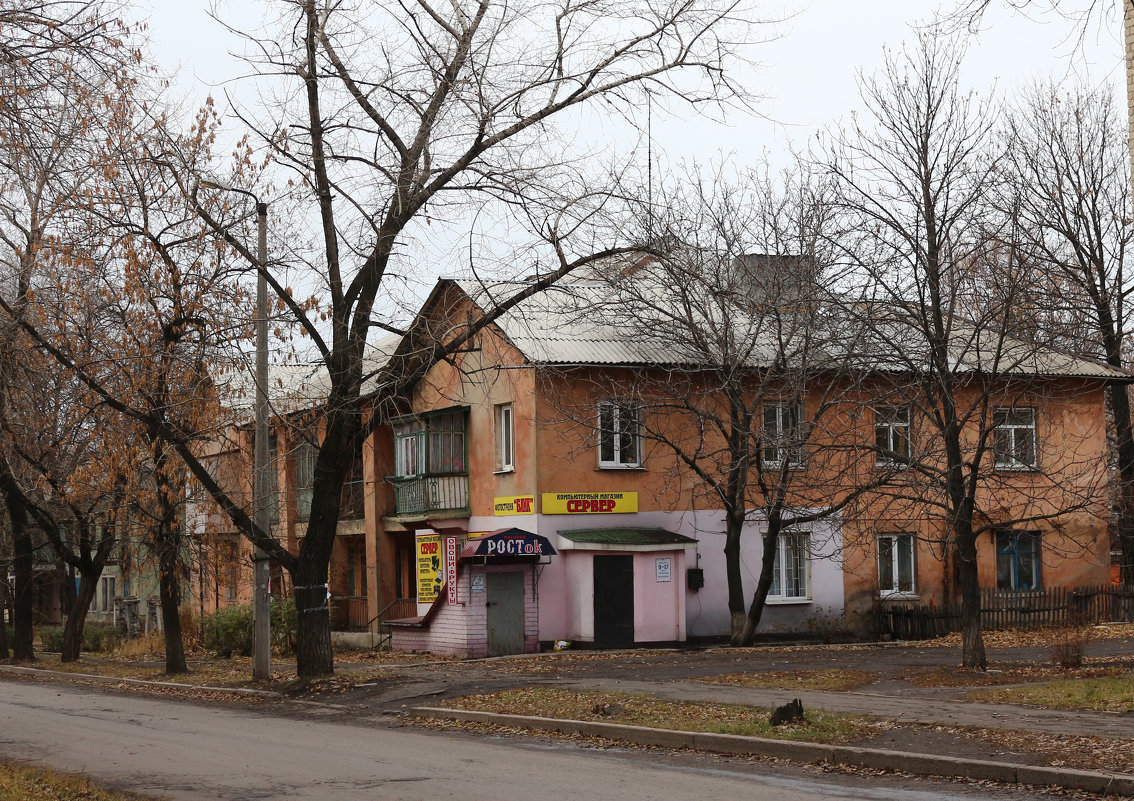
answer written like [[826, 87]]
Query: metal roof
[[296, 387], [578, 322]]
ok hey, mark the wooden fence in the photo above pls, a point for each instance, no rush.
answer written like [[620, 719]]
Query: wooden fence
[[1007, 609]]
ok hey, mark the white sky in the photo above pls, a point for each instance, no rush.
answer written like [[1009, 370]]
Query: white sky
[[807, 75]]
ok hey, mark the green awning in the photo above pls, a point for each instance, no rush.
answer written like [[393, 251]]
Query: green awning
[[627, 536]]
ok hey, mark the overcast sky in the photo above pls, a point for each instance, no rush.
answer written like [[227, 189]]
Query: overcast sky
[[807, 75]]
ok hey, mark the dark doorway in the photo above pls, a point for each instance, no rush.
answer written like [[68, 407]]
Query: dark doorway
[[614, 601], [505, 602]]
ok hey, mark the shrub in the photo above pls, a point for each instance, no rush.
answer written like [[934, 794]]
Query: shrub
[[100, 638], [51, 638], [95, 638], [228, 631], [1068, 644]]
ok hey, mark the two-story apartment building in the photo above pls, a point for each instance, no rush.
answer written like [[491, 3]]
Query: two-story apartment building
[[518, 500], [526, 433]]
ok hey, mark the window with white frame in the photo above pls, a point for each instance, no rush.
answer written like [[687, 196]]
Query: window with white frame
[[409, 449], [892, 434], [306, 453], [896, 567], [1014, 438], [791, 571], [620, 442], [505, 438], [782, 434]]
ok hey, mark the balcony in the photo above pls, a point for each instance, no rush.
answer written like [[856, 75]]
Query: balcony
[[431, 496]]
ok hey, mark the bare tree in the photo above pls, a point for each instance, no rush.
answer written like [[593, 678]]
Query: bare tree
[[946, 307], [746, 378], [406, 113], [1070, 185]]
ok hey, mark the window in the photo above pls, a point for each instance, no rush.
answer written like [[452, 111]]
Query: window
[[1018, 560], [896, 564], [791, 568], [107, 593], [446, 438], [619, 440], [892, 434], [409, 449], [272, 485], [431, 445], [782, 435], [1014, 438], [505, 432], [305, 454]]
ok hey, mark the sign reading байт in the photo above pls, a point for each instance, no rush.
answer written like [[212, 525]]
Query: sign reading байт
[[429, 557], [514, 505], [589, 503]]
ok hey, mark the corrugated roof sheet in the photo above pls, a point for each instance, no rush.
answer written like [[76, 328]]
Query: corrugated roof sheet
[[626, 536], [577, 323]]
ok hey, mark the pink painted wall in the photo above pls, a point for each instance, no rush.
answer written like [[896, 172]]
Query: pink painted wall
[[461, 629], [659, 607]]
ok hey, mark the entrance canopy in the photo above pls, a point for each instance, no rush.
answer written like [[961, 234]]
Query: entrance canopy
[[625, 539], [509, 543]]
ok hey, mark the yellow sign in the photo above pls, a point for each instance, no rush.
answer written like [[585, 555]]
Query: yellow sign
[[429, 559], [589, 503], [514, 505]]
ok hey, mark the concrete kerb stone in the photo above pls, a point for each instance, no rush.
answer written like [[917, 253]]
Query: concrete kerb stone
[[796, 751], [242, 691]]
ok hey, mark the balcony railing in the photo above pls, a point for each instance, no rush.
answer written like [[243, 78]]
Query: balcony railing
[[428, 495]]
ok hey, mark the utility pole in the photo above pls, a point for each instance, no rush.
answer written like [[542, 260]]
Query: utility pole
[[261, 570]]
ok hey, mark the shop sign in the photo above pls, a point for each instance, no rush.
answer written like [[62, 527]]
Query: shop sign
[[428, 567], [663, 569], [514, 543], [451, 570], [589, 503], [514, 505]]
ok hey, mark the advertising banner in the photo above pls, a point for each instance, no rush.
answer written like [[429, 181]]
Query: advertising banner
[[514, 505], [589, 503], [451, 570], [428, 567]]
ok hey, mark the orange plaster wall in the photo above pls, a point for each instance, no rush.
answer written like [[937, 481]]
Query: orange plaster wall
[[1074, 545]]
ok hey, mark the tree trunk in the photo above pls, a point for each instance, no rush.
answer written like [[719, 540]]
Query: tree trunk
[[77, 618], [734, 577], [169, 581], [170, 589], [4, 616], [763, 585], [1124, 458], [23, 601], [314, 656], [972, 638]]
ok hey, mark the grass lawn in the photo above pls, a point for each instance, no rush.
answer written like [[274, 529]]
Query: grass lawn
[[643, 710], [1104, 694], [1015, 673], [834, 680], [22, 783]]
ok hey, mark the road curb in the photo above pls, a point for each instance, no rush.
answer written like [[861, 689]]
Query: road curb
[[60, 674], [796, 751]]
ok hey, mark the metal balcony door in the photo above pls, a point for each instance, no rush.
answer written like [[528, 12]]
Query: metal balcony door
[[614, 601], [505, 602]]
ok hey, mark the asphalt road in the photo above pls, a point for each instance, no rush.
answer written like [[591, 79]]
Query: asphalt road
[[180, 750]]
